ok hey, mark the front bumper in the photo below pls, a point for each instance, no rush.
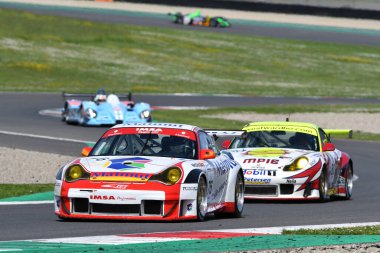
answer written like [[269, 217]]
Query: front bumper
[[285, 189], [126, 204]]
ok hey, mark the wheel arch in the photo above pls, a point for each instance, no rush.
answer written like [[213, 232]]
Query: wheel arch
[[193, 176]]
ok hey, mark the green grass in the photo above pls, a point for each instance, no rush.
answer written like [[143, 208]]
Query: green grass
[[197, 117], [45, 53], [366, 230], [14, 190]]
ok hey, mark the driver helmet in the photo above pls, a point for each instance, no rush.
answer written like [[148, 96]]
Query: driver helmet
[[101, 96], [304, 139]]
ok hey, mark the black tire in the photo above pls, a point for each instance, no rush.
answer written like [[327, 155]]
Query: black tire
[[239, 196], [82, 119], [239, 199], [202, 199], [323, 186], [349, 182], [64, 113]]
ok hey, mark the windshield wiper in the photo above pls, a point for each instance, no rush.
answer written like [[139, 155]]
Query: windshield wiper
[[145, 144]]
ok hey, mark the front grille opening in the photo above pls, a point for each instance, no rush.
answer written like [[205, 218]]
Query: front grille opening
[[153, 207], [260, 190], [286, 189], [114, 208], [80, 205]]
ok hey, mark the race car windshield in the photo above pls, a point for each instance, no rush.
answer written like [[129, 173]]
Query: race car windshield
[[277, 139], [146, 145]]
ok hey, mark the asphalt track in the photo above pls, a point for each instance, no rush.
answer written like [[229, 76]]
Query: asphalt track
[[267, 29], [19, 113]]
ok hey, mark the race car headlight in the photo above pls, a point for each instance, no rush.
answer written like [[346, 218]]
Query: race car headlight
[[168, 177], [76, 172], [145, 114], [91, 113], [298, 164]]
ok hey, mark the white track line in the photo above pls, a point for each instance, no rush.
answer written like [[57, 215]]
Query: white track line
[[44, 137]]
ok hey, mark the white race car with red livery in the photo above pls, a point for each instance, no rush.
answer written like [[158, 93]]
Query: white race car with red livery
[[290, 160], [150, 171]]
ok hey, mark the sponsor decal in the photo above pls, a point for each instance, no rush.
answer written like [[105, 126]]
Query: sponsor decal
[[267, 152], [152, 128], [114, 132], [102, 197], [219, 190], [127, 163], [119, 176], [258, 167], [342, 181], [189, 188], [125, 198], [115, 186], [147, 130], [261, 160], [301, 129], [291, 181], [198, 164], [259, 172], [257, 180]]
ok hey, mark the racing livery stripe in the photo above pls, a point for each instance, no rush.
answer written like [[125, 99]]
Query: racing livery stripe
[[309, 173]]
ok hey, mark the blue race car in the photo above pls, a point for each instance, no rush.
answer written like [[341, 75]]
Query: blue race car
[[104, 109]]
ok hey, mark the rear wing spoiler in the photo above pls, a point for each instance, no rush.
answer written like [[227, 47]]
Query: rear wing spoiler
[[224, 133], [236, 133], [347, 132], [92, 96]]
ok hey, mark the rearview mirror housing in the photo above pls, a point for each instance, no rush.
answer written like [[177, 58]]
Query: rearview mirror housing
[[328, 147], [207, 154], [86, 151]]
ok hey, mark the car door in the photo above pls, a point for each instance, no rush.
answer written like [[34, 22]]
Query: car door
[[332, 159], [217, 171]]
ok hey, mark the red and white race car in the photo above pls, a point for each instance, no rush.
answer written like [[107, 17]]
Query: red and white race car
[[150, 171], [290, 160]]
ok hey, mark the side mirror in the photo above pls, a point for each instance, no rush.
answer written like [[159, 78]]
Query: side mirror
[[86, 151], [328, 147], [207, 154], [226, 144]]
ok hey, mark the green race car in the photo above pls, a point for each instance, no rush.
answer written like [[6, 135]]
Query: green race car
[[197, 19]]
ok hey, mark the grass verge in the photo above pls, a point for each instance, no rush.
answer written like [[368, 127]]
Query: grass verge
[[47, 53], [14, 190], [366, 230]]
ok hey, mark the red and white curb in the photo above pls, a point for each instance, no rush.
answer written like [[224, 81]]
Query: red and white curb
[[191, 235]]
